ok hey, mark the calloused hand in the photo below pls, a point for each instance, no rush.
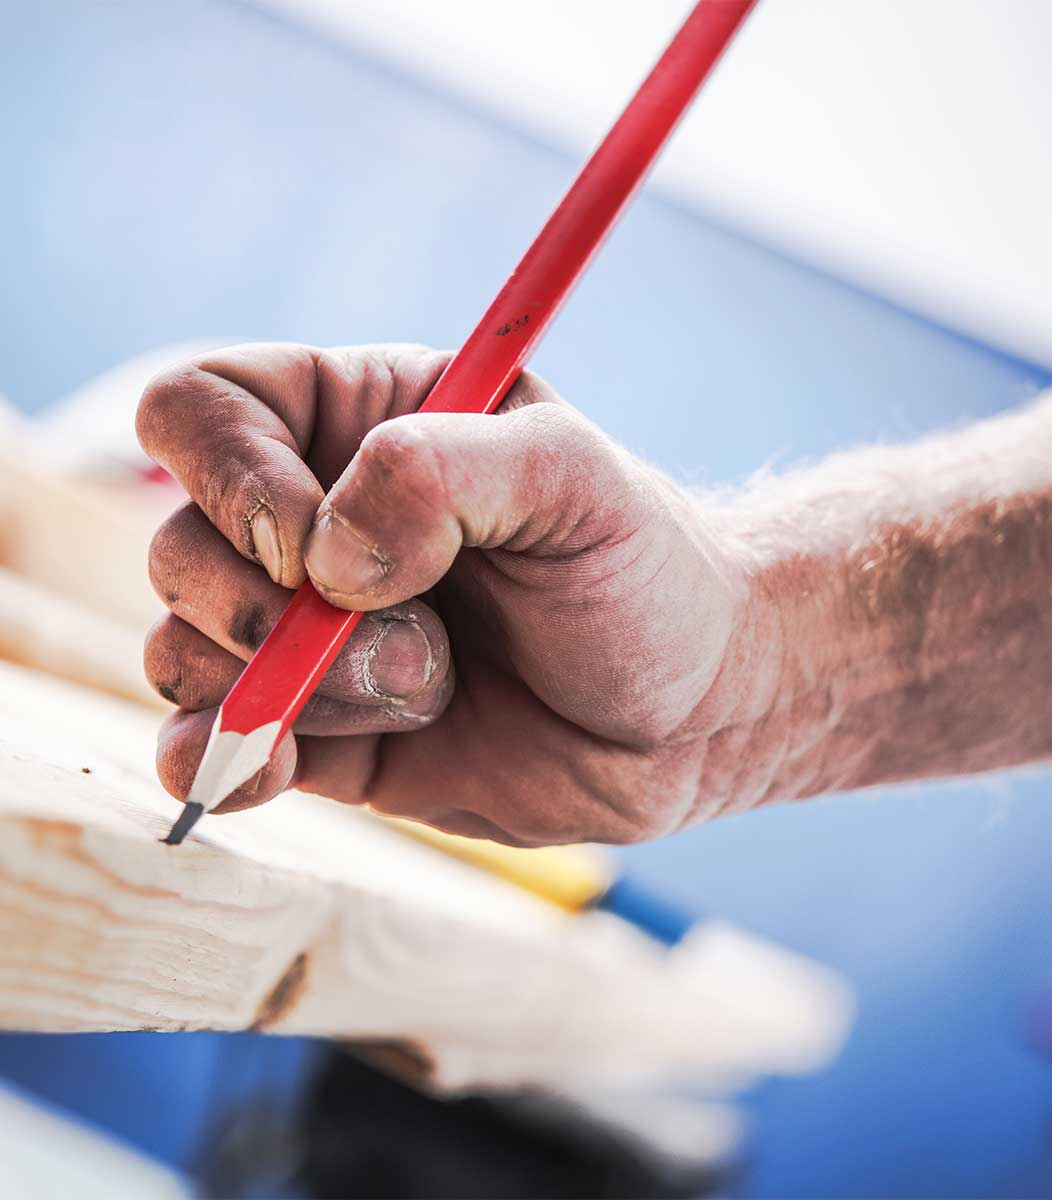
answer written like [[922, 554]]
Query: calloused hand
[[549, 652]]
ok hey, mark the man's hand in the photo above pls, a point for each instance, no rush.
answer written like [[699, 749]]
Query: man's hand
[[562, 644], [545, 654]]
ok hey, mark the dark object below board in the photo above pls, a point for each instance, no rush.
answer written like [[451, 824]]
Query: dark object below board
[[362, 1135]]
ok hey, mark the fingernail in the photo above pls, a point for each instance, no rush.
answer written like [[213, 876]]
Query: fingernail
[[338, 560], [266, 544], [399, 662]]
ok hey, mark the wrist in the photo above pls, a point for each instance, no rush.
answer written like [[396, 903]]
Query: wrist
[[806, 683]]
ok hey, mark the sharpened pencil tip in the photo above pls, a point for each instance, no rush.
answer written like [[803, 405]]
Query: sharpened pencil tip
[[188, 818]]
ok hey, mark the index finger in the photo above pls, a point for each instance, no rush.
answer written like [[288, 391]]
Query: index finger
[[233, 428]]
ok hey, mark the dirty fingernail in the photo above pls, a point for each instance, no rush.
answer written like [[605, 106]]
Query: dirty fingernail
[[338, 560], [399, 662], [266, 544]]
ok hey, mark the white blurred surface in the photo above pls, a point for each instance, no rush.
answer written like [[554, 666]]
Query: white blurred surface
[[94, 426], [44, 1156], [901, 144]]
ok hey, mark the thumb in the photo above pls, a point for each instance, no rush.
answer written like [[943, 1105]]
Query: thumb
[[540, 480]]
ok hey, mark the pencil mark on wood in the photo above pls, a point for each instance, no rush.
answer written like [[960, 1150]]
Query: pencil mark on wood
[[85, 770], [248, 627], [285, 994]]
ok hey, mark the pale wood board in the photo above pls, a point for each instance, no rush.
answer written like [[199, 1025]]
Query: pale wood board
[[44, 629], [304, 916], [78, 539]]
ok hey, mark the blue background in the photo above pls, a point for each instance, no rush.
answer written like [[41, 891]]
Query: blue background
[[203, 170]]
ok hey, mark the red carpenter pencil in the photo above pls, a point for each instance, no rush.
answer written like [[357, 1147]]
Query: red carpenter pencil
[[284, 671]]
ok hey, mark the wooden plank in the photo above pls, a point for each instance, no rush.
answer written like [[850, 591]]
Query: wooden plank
[[82, 540], [43, 629], [309, 917]]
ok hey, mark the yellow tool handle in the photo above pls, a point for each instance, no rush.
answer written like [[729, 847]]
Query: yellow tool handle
[[570, 876]]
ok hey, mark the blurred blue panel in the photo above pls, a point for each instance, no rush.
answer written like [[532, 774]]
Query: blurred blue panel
[[163, 1093], [202, 170]]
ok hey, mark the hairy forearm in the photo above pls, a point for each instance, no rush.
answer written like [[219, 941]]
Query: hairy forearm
[[899, 624]]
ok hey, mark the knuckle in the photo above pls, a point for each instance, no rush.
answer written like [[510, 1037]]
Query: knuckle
[[550, 423], [399, 452], [395, 375], [161, 407], [571, 470], [565, 445], [229, 493], [410, 363]]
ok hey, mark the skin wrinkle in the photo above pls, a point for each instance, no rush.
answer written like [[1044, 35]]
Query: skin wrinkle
[[758, 778], [609, 787], [391, 358], [304, 414], [316, 363], [490, 559], [578, 562], [469, 824], [332, 375], [745, 765]]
